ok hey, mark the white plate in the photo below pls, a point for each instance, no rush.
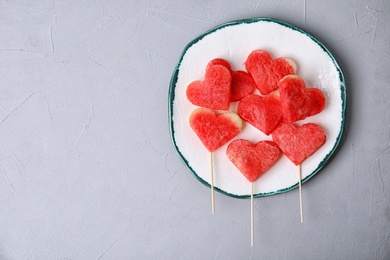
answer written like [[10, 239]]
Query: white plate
[[234, 41]]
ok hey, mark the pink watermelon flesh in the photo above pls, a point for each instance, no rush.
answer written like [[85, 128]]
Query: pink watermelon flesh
[[214, 91], [253, 159], [266, 71], [298, 143], [264, 113], [299, 102], [242, 83], [214, 130]]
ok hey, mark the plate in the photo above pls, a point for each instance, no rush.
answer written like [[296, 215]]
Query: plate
[[234, 41]]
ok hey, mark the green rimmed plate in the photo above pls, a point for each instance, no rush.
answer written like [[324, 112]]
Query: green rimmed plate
[[234, 41]]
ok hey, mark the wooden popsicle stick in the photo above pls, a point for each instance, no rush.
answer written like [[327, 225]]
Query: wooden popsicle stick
[[212, 183], [300, 191], [252, 219]]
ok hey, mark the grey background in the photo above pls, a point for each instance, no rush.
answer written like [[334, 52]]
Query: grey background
[[87, 168]]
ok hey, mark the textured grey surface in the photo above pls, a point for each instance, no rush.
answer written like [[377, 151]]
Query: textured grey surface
[[87, 168]]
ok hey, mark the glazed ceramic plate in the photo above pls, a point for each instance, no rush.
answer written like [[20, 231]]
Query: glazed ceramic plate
[[234, 41]]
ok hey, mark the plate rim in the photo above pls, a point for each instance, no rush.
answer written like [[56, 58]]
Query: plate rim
[[171, 98]]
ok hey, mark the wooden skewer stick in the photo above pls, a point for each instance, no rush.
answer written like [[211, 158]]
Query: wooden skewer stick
[[212, 183], [252, 222], [300, 191]]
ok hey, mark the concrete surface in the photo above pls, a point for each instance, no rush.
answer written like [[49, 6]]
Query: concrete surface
[[87, 168]]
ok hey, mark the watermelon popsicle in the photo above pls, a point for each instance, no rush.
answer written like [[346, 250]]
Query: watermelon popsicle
[[297, 101], [214, 91], [298, 143], [267, 71], [263, 112], [214, 131], [253, 160]]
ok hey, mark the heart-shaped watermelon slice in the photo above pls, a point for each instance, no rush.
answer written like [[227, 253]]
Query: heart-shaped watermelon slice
[[242, 83], [299, 102], [214, 91], [266, 71], [253, 159], [214, 130], [298, 143], [263, 112]]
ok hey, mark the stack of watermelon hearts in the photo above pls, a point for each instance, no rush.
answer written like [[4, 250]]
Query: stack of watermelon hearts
[[271, 97]]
